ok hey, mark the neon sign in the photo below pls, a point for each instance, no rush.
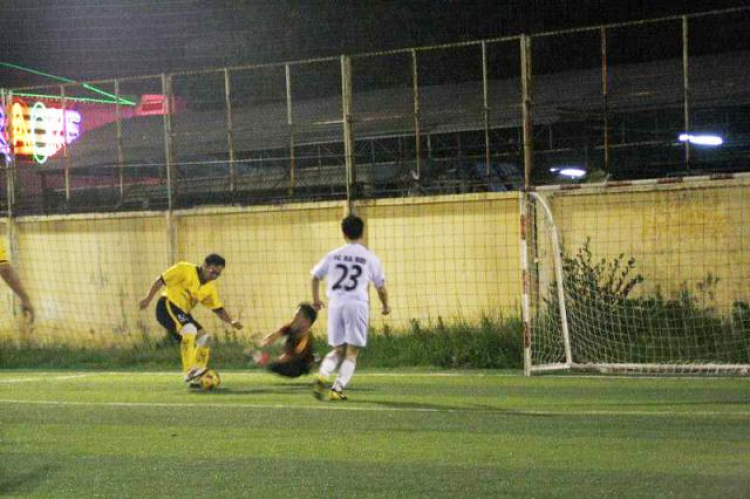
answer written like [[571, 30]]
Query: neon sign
[[41, 131]]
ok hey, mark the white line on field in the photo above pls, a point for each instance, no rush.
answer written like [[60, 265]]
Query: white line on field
[[46, 378], [464, 374], [446, 374], [349, 407]]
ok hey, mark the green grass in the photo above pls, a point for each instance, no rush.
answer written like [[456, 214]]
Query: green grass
[[490, 343], [407, 434]]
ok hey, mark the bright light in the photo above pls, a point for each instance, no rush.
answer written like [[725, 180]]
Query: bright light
[[702, 140], [572, 172], [568, 171]]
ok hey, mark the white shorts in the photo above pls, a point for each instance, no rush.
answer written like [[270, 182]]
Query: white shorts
[[348, 322]]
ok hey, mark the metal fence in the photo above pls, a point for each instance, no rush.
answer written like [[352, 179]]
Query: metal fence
[[617, 102]]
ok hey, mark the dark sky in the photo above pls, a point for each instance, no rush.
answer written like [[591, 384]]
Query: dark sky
[[95, 39]]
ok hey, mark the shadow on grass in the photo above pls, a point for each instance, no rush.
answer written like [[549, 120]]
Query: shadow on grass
[[275, 388], [23, 481], [410, 405]]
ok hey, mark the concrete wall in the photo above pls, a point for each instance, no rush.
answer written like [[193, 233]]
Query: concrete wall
[[451, 256]]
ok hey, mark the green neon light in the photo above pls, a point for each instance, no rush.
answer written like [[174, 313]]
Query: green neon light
[[107, 94], [74, 99], [68, 80], [42, 156]]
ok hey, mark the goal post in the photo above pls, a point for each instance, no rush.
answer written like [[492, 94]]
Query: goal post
[[640, 277]]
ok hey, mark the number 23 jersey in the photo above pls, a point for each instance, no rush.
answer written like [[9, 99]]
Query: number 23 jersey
[[348, 270]]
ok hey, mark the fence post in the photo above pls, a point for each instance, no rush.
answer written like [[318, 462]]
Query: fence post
[[120, 148], [417, 112], [66, 158], [230, 129], [166, 87], [290, 124], [526, 224], [605, 94], [486, 113], [686, 89], [526, 109], [10, 168], [346, 103], [10, 160]]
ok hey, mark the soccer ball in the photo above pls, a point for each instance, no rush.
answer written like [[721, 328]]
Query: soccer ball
[[210, 380]]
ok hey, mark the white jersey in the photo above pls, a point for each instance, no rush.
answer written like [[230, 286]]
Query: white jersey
[[348, 270]]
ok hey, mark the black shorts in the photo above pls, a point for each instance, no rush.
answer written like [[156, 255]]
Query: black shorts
[[293, 368], [172, 318]]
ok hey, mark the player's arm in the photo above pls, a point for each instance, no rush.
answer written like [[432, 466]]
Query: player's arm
[[317, 303], [318, 272], [11, 278], [383, 295], [271, 338], [155, 287], [223, 315]]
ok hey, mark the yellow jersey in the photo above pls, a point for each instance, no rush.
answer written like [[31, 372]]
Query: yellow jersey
[[185, 290]]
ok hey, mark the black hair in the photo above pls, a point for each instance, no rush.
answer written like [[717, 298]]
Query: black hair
[[309, 311], [352, 226], [214, 259]]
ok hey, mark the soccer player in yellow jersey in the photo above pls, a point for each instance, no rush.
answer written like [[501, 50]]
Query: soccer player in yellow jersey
[[11, 278], [186, 286]]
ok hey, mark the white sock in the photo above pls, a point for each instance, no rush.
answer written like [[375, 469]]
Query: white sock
[[345, 374], [329, 363]]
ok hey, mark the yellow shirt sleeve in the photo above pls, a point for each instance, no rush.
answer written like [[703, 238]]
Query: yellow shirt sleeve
[[174, 275], [211, 300], [3, 253]]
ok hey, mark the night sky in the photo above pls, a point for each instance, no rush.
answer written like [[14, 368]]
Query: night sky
[[96, 39]]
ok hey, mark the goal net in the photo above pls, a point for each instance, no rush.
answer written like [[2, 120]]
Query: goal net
[[639, 277]]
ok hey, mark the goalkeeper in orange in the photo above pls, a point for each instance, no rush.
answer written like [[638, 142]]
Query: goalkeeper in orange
[[297, 358], [186, 286]]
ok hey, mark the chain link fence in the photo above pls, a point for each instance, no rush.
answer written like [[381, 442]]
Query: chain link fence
[[617, 102]]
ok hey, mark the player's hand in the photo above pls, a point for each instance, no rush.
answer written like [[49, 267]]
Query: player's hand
[[236, 324], [144, 303], [28, 311], [261, 358], [318, 304], [386, 309]]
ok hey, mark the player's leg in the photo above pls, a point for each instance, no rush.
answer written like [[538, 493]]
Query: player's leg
[[331, 361], [176, 322], [202, 351], [167, 321], [346, 371], [336, 339], [189, 333], [356, 320], [336, 335], [327, 367], [293, 368]]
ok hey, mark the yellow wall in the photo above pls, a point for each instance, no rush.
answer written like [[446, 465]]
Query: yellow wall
[[85, 275], [450, 257], [444, 256], [269, 253]]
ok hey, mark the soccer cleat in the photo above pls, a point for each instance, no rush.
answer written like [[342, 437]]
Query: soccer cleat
[[337, 395], [195, 372], [319, 388]]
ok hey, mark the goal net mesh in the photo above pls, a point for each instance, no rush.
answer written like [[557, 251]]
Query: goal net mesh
[[648, 277]]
